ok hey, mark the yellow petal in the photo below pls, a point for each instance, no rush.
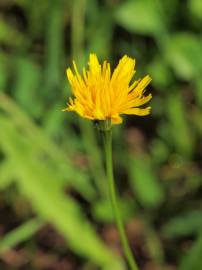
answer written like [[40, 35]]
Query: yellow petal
[[117, 119], [138, 111], [136, 102], [94, 65], [142, 84], [125, 67], [70, 75]]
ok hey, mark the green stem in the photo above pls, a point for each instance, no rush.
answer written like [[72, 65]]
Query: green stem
[[109, 167]]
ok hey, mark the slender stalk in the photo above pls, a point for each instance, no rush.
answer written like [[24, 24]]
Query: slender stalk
[[112, 189]]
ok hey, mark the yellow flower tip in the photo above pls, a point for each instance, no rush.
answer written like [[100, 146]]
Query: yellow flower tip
[[93, 57], [68, 109], [100, 95], [70, 75], [65, 110]]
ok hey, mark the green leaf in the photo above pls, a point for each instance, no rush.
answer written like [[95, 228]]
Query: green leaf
[[6, 174], [144, 181], [8, 34], [41, 145], [140, 16], [185, 225], [54, 47], [183, 52], [159, 151], [102, 210], [20, 234], [160, 73], [198, 90], [39, 181], [192, 260], [182, 136], [195, 7], [3, 71], [28, 77]]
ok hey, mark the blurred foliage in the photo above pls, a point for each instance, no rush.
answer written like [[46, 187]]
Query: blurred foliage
[[53, 160]]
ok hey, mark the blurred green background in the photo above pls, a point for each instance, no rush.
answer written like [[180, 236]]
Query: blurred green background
[[54, 207]]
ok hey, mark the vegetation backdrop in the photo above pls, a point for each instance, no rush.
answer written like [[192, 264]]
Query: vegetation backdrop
[[54, 208]]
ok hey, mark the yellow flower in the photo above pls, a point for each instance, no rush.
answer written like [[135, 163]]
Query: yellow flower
[[100, 95]]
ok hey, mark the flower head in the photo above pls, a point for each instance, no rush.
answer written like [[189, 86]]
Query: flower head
[[100, 95]]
